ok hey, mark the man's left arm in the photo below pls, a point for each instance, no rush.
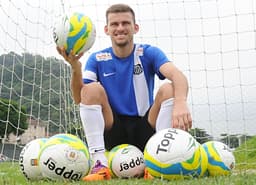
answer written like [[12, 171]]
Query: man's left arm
[[181, 117]]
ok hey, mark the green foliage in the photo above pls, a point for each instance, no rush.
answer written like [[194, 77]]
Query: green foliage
[[13, 118], [40, 84]]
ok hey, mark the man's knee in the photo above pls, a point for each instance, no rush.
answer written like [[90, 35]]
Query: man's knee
[[92, 93], [165, 92]]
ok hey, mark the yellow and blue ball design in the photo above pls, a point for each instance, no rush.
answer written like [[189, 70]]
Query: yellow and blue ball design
[[221, 160], [76, 33], [201, 171], [173, 154], [68, 139], [64, 157], [126, 161]]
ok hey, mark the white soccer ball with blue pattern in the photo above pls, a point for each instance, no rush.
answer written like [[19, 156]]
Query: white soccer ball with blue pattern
[[174, 154], [76, 33], [126, 161], [64, 157], [221, 160], [29, 161]]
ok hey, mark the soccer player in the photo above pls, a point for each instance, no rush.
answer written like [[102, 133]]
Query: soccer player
[[115, 91]]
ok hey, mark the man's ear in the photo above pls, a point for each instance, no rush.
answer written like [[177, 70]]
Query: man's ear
[[106, 29], [136, 28]]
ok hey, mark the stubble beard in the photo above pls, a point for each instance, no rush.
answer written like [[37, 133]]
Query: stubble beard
[[122, 44]]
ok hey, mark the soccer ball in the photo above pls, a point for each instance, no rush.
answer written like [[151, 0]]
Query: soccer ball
[[28, 159], [76, 33], [64, 157], [221, 160], [126, 161], [174, 154], [201, 171]]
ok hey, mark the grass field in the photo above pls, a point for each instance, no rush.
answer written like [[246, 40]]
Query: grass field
[[10, 174], [244, 173]]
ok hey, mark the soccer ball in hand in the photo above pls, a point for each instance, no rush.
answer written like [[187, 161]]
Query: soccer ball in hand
[[28, 159], [221, 160], [76, 33], [174, 154], [126, 161], [64, 157]]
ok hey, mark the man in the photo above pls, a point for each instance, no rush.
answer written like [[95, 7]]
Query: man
[[115, 91]]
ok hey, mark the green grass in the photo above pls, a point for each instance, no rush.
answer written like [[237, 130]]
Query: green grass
[[10, 174], [245, 155], [244, 173]]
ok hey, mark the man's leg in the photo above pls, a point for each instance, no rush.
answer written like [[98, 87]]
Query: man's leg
[[160, 114], [95, 114], [93, 124]]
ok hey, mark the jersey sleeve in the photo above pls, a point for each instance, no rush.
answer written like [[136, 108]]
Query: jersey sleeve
[[158, 58], [90, 70]]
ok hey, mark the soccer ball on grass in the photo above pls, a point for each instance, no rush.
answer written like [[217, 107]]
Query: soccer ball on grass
[[174, 154], [221, 160], [28, 159], [64, 157], [126, 161]]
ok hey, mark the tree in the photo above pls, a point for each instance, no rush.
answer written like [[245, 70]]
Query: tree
[[34, 82], [13, 118]]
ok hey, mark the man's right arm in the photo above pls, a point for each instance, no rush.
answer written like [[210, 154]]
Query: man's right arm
[[76, 78], [76, 82]]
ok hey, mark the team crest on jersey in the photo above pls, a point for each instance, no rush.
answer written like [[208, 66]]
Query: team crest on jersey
[[138, 69], [103, 56]]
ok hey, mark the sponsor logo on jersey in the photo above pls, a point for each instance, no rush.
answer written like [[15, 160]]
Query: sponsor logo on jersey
[[139, 51], [108, 74], [103, 56]]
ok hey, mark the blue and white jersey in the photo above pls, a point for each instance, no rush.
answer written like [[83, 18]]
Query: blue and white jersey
[[128, 82]]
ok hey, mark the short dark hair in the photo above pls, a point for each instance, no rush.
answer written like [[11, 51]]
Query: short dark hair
[[119, 8]]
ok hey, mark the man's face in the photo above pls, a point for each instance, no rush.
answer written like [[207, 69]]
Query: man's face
[[120, 28]]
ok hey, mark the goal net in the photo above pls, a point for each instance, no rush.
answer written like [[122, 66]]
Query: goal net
[[212, 42]]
